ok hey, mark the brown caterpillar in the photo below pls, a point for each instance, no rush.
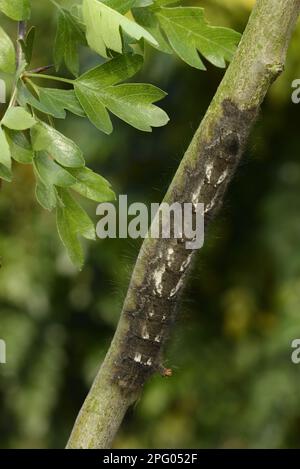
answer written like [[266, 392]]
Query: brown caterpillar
[[155, 296]]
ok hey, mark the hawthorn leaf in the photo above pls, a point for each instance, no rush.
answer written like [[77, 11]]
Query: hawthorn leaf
[[54, 102], [45, 195], [69, 36], [16, 9], [52, 173], [69, 236], [94, 108], [92, 185], [97, 91], [73, 221], [58, 101], [189, 33], [84, 224], [88, 87], [26, 97], [104, 25], [21, 150], [51, 101], [61, 148], [27, 44], [7, 53], [5, 155], [133, 103], [16, 118], [146, 18]]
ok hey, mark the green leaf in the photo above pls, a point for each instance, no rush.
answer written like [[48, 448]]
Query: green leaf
[[7, 53], [131, 102], [5, 173], [45, 195], [51, 101], [122, 6], [69, 237], [16, 118], [88, 87], [73, 221], [69, 36], [20, 148], [52, 173], [146, 18], [27, 44], [16, 9], [104, 25], [189, 34], [26, 97], [80, 218], [5, 155], [56, 101], [61, 148], [92, 185]]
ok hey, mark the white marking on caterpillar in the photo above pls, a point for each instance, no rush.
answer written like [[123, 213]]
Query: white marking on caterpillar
[[149, 362], [208, 171], [158, 275], [196, 195], [186, 263], [170, 257], [212, 203], [176, 289], [138, 357], [145, 333], [157, 339], [222, 178]]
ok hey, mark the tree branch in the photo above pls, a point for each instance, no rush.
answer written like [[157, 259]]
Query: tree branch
[[22, 26], [163, 265]]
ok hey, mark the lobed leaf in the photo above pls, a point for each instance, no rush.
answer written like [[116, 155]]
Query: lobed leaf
[[69, 36], [104, 25], [189, 33], [73, 221], [97, 91], [16, 118], [51, 101]]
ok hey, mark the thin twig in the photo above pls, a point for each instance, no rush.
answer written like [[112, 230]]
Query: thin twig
[[41, 69], [22, 26]]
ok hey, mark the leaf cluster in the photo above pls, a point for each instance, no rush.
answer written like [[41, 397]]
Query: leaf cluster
[[116, 30]]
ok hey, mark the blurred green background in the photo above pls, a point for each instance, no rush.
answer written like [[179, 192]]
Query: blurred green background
[[234, 384]]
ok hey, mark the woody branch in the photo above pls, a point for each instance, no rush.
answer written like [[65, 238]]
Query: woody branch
[[163, 265]]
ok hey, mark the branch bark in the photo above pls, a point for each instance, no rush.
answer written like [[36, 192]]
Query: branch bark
[[163, 264], [22, 26]]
